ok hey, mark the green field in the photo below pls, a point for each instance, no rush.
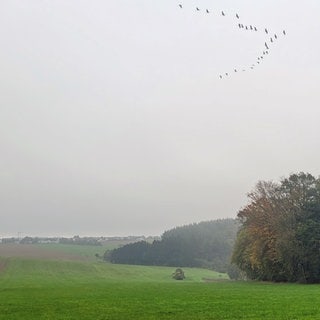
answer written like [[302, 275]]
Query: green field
[[87, 252], [60, 289]]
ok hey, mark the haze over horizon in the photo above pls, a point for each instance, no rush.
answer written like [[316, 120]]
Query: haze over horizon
[[113, 119]]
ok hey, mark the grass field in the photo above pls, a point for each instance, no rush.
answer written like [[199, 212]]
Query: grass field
[[87, 252], [66, 289]]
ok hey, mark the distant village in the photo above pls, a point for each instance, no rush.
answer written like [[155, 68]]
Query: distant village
[[77, 240]]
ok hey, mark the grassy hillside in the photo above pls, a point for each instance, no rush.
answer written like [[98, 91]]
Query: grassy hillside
[[43, 289], [87, 252], [41, 273]]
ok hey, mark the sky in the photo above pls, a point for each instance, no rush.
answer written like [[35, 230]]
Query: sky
[[114, 120]]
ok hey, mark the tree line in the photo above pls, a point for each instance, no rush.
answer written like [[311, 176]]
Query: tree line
[[206, 244]]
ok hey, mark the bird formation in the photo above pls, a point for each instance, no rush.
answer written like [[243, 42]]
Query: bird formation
[[268, 43]]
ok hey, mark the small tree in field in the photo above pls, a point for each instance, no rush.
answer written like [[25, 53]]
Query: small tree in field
[[178, 274]]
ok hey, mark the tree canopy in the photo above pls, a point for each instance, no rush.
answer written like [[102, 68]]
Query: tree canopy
[[206, 244], [279, 239]]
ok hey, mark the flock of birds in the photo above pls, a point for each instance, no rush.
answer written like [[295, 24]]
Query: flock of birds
[[271, 38]]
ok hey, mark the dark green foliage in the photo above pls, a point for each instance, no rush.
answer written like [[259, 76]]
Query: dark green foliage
[[178, 274], [85, 241], [27, 240], [280, 235], [235, 273], [206, 244], [134, 253]]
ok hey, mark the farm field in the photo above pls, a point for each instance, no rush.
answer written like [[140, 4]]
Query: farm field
[[42, 288], [57, 251]]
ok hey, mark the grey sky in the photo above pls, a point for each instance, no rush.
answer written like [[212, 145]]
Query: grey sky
[[113, 119]]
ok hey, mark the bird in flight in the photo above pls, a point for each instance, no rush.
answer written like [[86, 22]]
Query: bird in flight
[[246, 27]]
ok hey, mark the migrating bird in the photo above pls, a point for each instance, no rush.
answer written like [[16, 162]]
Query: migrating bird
[[239, 24], [220, 76], [271, 39], [266, 31], [255, 29], [227, 74], [237, 16], [180, 5], [276, 37], [222, 13], [207, 10], [235, 70], [197, 9], [266, 45], [246, 27], [284, 32], [251, 28]]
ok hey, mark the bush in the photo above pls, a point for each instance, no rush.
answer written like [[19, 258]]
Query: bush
[[178, 274], [235, 273]]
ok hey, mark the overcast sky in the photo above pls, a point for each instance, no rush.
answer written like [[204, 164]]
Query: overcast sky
[[114, 121]]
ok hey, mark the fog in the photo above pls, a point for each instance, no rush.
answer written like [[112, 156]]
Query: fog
[[114, 121]]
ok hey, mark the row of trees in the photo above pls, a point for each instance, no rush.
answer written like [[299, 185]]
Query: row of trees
[[206, 244], [279, 239]]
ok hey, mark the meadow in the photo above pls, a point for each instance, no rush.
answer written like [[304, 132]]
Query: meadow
[[87, 289]]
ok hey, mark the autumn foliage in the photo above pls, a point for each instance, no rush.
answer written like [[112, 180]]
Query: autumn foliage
[[280, 235]]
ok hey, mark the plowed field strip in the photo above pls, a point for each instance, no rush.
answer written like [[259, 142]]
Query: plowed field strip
[[35, 252]]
